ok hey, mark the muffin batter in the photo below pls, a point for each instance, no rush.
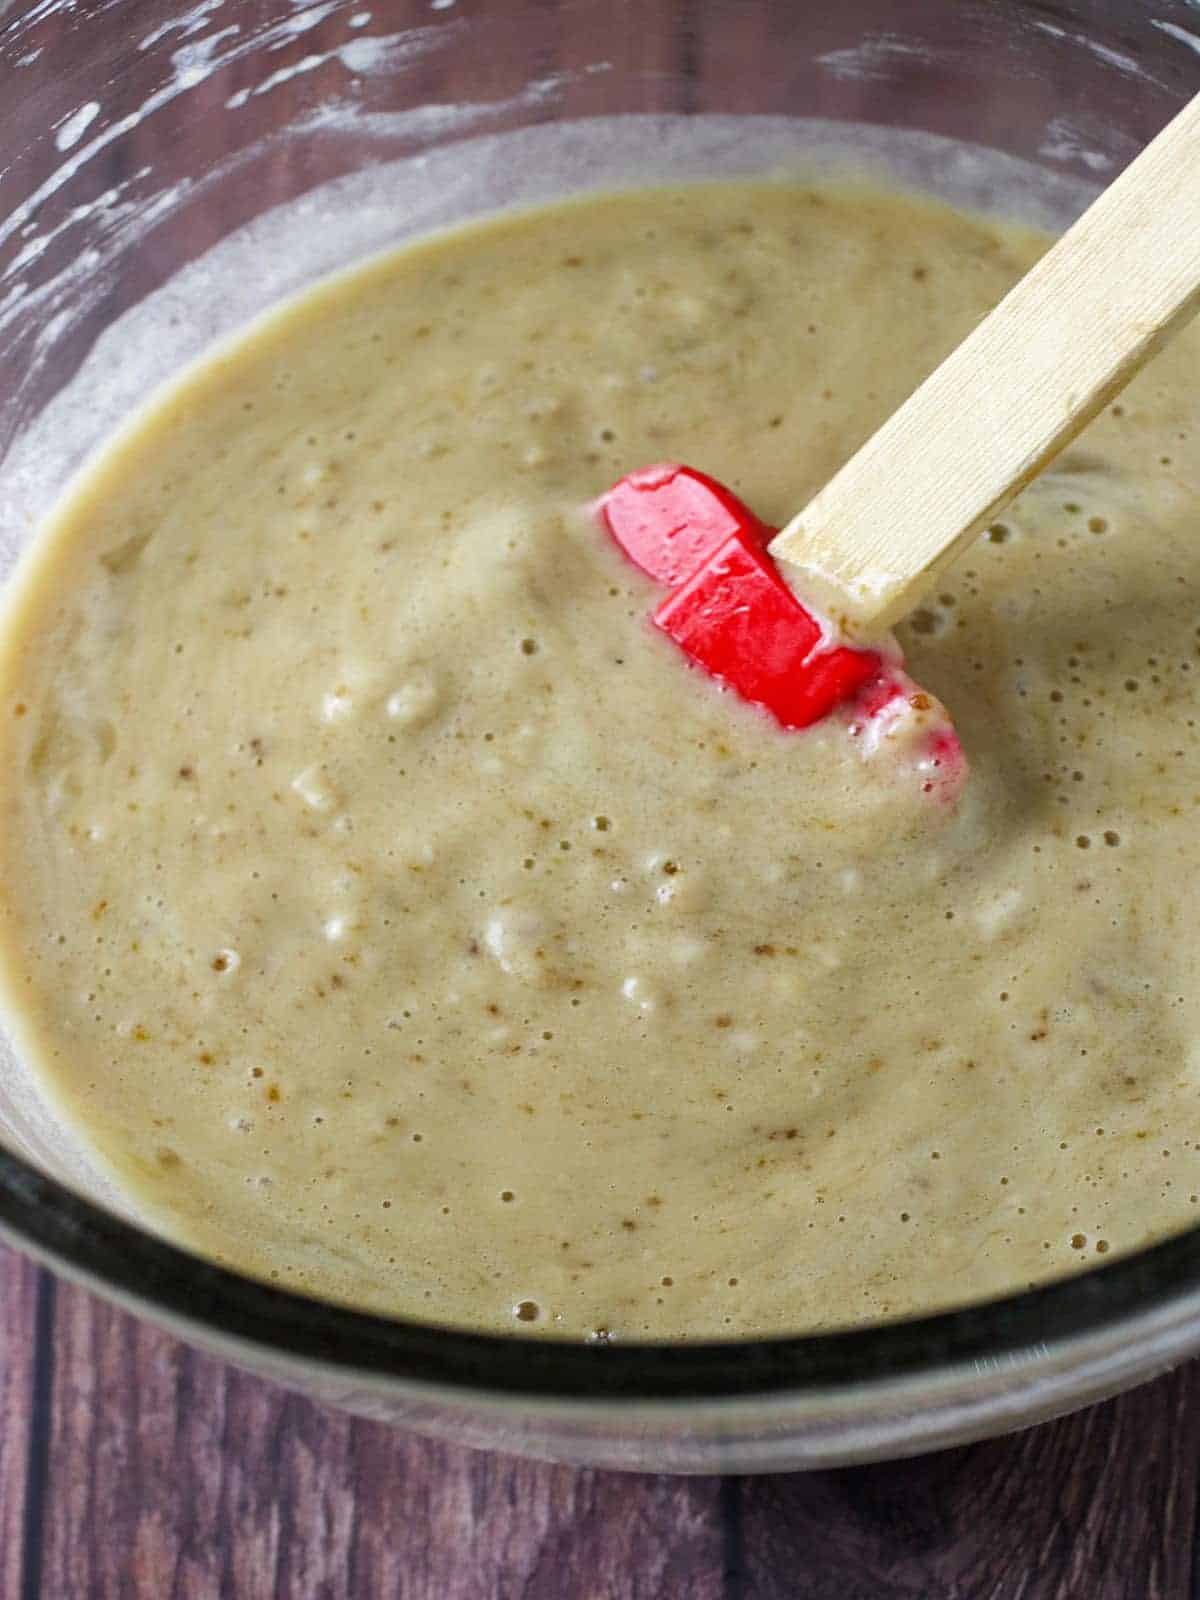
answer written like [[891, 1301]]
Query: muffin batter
[[398, 918]]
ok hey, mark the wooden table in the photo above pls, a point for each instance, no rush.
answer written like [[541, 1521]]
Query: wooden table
[[132, 1468]]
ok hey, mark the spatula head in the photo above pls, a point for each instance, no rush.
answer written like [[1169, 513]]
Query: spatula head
[[731, 613]]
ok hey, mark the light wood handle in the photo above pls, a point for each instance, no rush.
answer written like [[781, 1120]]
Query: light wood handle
[[1056, 350]]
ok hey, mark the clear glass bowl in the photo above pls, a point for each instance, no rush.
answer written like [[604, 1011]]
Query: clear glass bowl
[[136, 139]]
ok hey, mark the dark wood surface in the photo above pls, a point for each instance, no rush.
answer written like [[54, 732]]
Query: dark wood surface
[[132, 1468]]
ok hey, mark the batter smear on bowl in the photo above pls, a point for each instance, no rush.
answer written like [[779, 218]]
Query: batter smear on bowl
[[396, 916]]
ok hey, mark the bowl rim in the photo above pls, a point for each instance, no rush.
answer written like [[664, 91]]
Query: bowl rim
[[132, 1266]]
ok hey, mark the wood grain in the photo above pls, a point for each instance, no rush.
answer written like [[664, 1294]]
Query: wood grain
[[167, 1476], [24, 1292], [1099, 1506], [172, 1477]]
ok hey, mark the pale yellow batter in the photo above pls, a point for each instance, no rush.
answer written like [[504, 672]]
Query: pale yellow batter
[[402, 920]]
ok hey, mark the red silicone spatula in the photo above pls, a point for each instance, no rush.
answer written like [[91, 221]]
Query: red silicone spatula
[[728, 607], [1059, 347]]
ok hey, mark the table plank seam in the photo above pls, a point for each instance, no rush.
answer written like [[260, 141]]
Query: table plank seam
[[733, 1562], [37, 1463], [689, 57]]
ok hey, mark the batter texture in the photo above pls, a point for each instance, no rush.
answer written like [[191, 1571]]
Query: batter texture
[[398, 918]]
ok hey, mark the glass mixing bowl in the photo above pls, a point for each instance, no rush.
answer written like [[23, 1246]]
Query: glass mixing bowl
[[161, 180]]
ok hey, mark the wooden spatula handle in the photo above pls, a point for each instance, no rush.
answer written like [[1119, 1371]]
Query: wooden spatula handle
[[1057, 349]]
